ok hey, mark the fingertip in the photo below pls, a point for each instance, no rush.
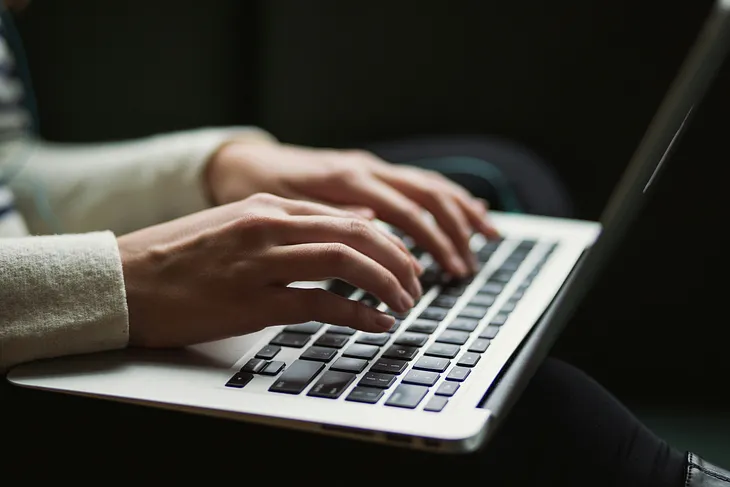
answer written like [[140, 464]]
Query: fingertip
[[384, 322]]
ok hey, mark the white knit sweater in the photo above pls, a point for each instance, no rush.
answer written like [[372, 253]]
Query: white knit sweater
[[64, 294]]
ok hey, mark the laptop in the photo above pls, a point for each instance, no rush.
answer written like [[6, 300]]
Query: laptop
[[450, 370]]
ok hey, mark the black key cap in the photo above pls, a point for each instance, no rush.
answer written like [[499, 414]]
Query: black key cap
[[268, 352], [479, 345], [421, 378], [434, 364], [370, 300], [476, 312], [332, 384], [389, 366], [294, 340], [345, 364], [453, 336], [508, 307], [445, 301], [273, 368], [517, 295], [378, 339], [435, 314], [332, 340], [310, 328], [485, 300], [489, 332], [341, 330], [463, 324], [458, 374], [369, 395], [375, 379], [493, 288], [423, 326], [511, 264], [359, 350], [254, 365], [412, 339], [454, 289], [447, 389], [397, 315], [406, 396], [501, 276], [239, 380], [469, 359], [401, 352], [320, 354], [499, 320], [395, 326], [342, 288], [443, 350], [436, 404], [297, 377]]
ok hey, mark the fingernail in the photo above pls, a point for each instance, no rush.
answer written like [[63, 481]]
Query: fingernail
[[419, 268], [418, 290], [460, 267], [384, 321], [406, 302]]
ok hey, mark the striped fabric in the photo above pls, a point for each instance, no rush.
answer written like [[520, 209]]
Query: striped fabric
[[15, 122]]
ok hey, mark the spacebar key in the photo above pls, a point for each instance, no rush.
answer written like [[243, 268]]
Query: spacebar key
[[297, 377]]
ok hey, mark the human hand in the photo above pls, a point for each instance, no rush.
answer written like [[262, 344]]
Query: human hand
[[357, 179], [224, 272]]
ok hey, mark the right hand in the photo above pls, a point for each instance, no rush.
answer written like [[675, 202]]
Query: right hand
[[224, 272]]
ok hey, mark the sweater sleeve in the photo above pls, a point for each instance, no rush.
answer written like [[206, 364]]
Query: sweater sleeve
[[118, 186], [60, 295]]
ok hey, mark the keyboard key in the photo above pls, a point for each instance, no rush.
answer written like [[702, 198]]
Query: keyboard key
[[476, 312], [389, 366], [493, 288], [341, 330], [501, 276], [479, 345], [434, 364], [485, 300], [294, 340], [297, 377], [412, 339], [423, 326], [378, 339], [463, 324], [370, 300], [321, 354], [406, 396], [453, 336], [369, 395], [359, 350], [447, 389], [469, 359], [345, 364], [254, 365], [499, 320], [508, 307], [273, 368], [310, 328], [445, 301], [332, 384], [489, 332], [268, 352], [435, 314], [443, 350], [395, 326], [458, 374], [378, 380], [401, 352], [421, 378], [436, 404], [517, 295], [342, 288], [511, 264], [332, 340], [239, 380]]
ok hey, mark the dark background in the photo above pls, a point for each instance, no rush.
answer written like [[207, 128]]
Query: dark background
[[575, 81]]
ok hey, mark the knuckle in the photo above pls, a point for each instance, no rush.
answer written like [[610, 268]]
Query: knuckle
[[264, 198], [257, 228], [336, 254], [359, 229], [345, 174]]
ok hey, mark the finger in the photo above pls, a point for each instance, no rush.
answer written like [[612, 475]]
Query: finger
[[395, 208], [361, 235], [398, 242], [441, 204], [304, 305], [318, 262], [302, 207], [476, 211]]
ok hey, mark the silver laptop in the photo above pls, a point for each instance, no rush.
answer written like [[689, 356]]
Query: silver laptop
[[449, 370]]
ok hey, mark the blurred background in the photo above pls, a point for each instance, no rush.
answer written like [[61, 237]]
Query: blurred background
[[577, 82]]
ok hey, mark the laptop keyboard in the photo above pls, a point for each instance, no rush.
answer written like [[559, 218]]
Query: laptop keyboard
[[436, 345]]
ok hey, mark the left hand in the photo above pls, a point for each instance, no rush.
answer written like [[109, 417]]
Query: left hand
[[361, 181]]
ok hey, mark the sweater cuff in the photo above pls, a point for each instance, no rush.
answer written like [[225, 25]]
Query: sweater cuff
[[60, 295]]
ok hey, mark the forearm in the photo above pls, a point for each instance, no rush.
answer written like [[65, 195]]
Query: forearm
[[121, 186]]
